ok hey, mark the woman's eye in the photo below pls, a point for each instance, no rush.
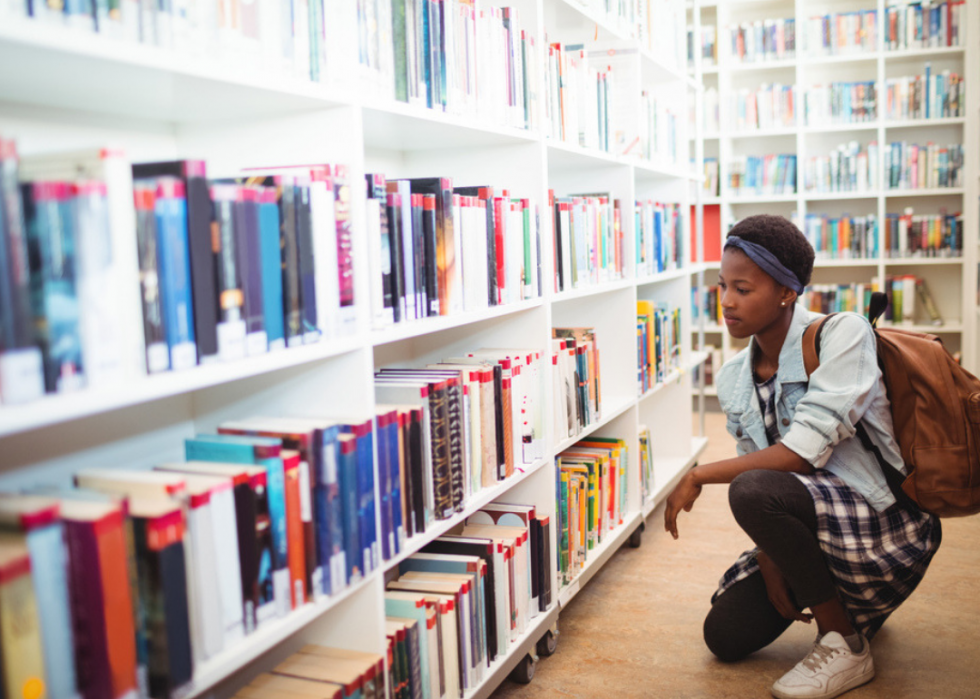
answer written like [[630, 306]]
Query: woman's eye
[[743, 292]]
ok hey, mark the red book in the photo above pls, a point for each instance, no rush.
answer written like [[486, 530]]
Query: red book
[[294, 528]]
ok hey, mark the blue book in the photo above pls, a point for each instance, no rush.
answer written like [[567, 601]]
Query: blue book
[[54, 293], [36, 520], [371, 555], [274, 581], [175, 272], [394, 478], [382, 422], [271, 268], [409, 605], [927, 97], [351, 523]]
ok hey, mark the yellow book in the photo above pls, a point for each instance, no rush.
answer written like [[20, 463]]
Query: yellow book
[[20, 632]]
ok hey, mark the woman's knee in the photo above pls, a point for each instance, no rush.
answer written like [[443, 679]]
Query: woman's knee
[[748, 492], [721, 640]]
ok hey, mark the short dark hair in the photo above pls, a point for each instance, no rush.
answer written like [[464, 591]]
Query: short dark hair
[[779, 236]]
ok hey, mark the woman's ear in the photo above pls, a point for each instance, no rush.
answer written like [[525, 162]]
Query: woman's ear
[[787, 298]]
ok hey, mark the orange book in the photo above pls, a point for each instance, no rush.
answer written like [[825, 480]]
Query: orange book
[[294, 528]]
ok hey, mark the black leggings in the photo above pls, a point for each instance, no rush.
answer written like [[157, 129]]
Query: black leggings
[[775, 509]]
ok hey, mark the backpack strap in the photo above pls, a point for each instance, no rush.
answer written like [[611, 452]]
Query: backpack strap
[[811, 360]]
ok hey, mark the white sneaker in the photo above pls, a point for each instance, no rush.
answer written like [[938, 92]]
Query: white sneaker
[[829, 669]]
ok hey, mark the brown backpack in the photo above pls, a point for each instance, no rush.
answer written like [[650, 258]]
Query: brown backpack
[[935, 406]]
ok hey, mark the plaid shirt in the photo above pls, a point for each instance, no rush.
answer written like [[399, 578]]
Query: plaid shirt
[[876, 558]]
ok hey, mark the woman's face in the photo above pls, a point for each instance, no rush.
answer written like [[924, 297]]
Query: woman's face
[[750, 299]]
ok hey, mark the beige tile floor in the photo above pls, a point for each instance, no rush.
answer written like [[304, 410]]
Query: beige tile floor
[[635, 629]]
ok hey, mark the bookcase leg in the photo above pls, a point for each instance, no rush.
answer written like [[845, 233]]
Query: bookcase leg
[[636, 538], [524, 672]]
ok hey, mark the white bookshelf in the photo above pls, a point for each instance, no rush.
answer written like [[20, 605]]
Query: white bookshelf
[[953, 281], [63, 90]]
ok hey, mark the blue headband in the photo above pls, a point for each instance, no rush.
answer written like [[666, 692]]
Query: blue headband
[[767, 262]]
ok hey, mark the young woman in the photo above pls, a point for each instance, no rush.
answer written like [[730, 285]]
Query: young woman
[[830, 536]]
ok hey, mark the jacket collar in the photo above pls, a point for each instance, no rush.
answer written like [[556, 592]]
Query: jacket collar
[[791, 369]]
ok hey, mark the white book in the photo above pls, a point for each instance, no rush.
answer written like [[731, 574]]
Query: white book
[[326, 280], [203, 576]]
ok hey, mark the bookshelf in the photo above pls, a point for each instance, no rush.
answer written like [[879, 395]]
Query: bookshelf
[[62, 90], [952, 281]]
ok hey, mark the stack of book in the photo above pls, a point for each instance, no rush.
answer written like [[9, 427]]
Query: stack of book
[[273, 36], [765, 175], [436, 249], [576, 380], [588, 240], [658, 343], [769, 107], [471, 421], [841, 103], [917, 25], [909, 301], [658, 131], [911, 166], [763, 40], [591, 489], [708, 46], [456, 607], [660, 237], [849, 168], [923, 235], [842, 238], [464, 58], [928, 96], [707, 303], [842, 33], [215, 270], [324, 673]]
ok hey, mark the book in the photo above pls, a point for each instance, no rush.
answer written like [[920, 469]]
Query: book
[[175, 273], [35, 522], [21, 654]]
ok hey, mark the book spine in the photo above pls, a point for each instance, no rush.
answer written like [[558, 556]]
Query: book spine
[[270, 257], [292, 300], [307, 265], [348, 490], [455, 413], [201, 259], [175, 273], [345, 245]]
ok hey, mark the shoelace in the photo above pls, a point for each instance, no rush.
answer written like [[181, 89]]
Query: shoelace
[[819, 657]]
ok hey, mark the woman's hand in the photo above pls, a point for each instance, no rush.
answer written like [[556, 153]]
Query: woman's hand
[[778, 590], [682, 498]]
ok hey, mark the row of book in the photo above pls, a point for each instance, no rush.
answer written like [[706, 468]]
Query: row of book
[[923, 235], [770, 106], [657, 25], [909, 299], [841, 103], [841, 238], [322, 672], [437, 249], [481, 420], [278, 36], [850, 167], [587, 240], [918, 25], [928, 96], [842, 33], [112, 271], [657, 137], [660, 237], [707, 46], [763, 40], [581, 91], [458, 56], [577, 380], [762, 175], [658, 343], [911, 166], [706, 302], [591, 491], [456, 607]]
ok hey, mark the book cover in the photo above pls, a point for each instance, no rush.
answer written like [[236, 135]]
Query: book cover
[[271, 264], [291, 462], [450, 297], [249, 251], [154, 333], [229, 233], [175, 273], [307, 264]]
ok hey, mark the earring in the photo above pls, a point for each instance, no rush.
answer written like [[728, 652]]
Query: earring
[[783, 303]]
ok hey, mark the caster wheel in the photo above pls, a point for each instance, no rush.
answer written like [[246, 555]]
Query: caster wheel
[[636, 538], [524, 672], [548, 644]]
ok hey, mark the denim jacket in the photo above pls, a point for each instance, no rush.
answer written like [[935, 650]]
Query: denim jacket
[[818, 421]]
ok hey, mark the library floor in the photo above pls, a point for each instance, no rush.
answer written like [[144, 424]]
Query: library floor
[[634, 631]]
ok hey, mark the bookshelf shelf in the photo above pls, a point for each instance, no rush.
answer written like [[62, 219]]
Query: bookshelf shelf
[[64, 89], [936, 192], [833, 196], [920, 123], [762, 66], [862, 57], [841, 128], [829, 263], [710, 328], [120, 79], [55, 409], [678, 466], [425, 326], [598, 556], [923, 260], [761, 199], [924, 53], [761, 133]]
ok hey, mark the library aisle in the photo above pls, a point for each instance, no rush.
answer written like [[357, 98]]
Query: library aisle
[[635, 630]]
